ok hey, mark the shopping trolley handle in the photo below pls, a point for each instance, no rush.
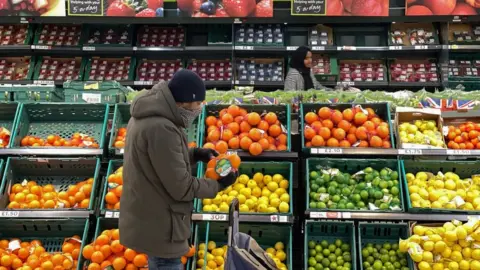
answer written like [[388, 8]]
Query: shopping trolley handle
[[233, 211]]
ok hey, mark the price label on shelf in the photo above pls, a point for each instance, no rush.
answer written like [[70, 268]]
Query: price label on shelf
[[277, 218], [395, 48], [331, 215], [108, 214], [421, 47], [293, 48], [121, 150], [116, 214], [9, 214], [143, 83], [214, 217], [346, 83], [318, 48], [459, 152], [43, 82], [318, 214], [453, 47], [410, 151], [244, 48], [347, 48], [88, 48], [92, 98], [330, 150], [41, 47], [251, 82]]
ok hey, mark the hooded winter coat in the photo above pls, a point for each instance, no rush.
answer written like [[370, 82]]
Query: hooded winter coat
[[158, 189]]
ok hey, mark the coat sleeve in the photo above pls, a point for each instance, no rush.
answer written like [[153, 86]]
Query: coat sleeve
[[166, 154]]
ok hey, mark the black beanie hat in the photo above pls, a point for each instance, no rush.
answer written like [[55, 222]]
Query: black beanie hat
[[187, 86]]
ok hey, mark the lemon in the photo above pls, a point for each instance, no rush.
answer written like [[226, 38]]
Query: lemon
[[201, 246], [207, 201], [281, 255], [273, 196], [284, 207], [403, 246], [424, 266], [277, 178], [243, 179], [218, 252], [238, 187], [223, 208], [230, 199], [207, 208], [437, 266], [217, 200], [416, 204], [241, 198], [450, 184], [474, 265], [280, 191], [271, 209], [438, 184], [456, 256], [417, 257], [415, 197], [271, 251], [447, 253], [283, 184], [457, 247], [468, 206], [250, 203], [421, 176], [212, 264], [256, 191], [451, 236], [219, 260], [423, 193], [413, 189], [285, 197], [476, 254], [244, 208], [279, 246], [453, 266], [258, 177], [266, 179], [266, 192], [211, 246], [464, 265], [440, 246], [200, 263], [461, 233], [275, 202], [247, 192], [201, 253], [428, 245], [467, 253], [251, 184], [427, 256], [436, 205], [425, 204], [272, 186], [233, 193], [463, 244], [419, 230], [415, 238], [410, 177]]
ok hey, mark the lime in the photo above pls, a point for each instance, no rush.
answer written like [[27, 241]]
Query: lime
[[383, 184], [312, 261], [341, 206], [338, 243], [318, 267], [322, 190], [313, 205], [319, 257], [314, 187], [325, 262], [394, 175], [321, 205], [377, 265], [336, 198], [324, 244], [357, 197], [338, 252], [360, 204], [378, 194], [333, 265], [339, 178], [314, 174], [384, 206], [394, 191], [350, 206], [332, 257], [368, 170], [332, 247], [346, 191], [369, 177], [326, 177], [312, 252], [387, 246], [345, 247], [364, 194], [311, 244]]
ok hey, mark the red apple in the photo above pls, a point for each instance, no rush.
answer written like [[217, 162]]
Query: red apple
[[367, 8], [440, 7], [334, 8], [464, 9], [418, 11]]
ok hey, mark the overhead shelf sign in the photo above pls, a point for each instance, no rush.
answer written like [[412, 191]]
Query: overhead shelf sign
[[85, 7], [309, 8]]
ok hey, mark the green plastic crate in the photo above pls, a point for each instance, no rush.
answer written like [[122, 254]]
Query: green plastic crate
[[60, 172], [63, 119], [37, 93], [131, 69], [39, 60], [8, 115], [282, 112], [95, 92], [266, 236], [51, 232], [381, 109], [380, 233], [352, 166], [113, 165], [465, 169], [250, 168], [330, 230]]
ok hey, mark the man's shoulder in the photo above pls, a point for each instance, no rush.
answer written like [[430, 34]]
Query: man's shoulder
[[153, 123]]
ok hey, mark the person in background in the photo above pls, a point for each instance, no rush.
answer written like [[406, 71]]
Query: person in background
[[300, 76], [158, 187]]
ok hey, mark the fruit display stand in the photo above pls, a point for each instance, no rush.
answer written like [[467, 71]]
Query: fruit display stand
[[326, 237], [45, 237], [63, 180], [62, 119], [210, 236], [8, 113], [252, 174], [375, 237]]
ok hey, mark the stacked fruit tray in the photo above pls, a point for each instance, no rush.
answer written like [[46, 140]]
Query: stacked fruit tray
[[157, 70], [58, 35], [16, 68]]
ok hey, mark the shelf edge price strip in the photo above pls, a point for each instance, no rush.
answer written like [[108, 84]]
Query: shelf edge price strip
[[459, 152], [110, 214], [410, 152], [332, 215], [278, 218], [214, 217], [337, 151], [9, 214]]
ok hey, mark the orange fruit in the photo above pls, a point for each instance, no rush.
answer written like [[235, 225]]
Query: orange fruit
[[57, 259], [316, 125], [94, 266], [255, 149], [345, 125], [318, 140], [271, 118], [336, 116], [361, 133], [387, 144], [311, 117], [309, 133], [327, 123], [235, 161], [221, 147], [5, 260], [212, 163], [234, 128], [339, 134], [209, 145], [382, 132], [233, 110], [325, 133], [119, 263], [369, 125], [227, 134], [129, 254], [348, 115], [68, 247], [255, 134], [116, 246], [227, 119], [213, 136], [363, 144], [332, 142], [102, 240], [210, 128], [210, 120], [97, 257], [47, 265], [351, 138], [325, 113], [79, 196], [190, 252], [234, 143], [360, 118], [140, 260], [376, 141], [106, 250], [245, 126], [274, 130], [264, 143], [183, 260], [210, 173], [111, 198], [131, 266], [263, 125], [282, 139], [345, 144], [253, 118]]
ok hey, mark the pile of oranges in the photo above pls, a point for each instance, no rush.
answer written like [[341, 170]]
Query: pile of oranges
[[211, 173], [15, 254], [115, 188], [465, 136], [237, 129], [4, 137], [106, 251], [77, 140], [120, 139], [355, 127], [29, 195]]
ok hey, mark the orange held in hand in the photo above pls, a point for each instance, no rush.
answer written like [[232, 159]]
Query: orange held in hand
[[220, 166], [236, 129]]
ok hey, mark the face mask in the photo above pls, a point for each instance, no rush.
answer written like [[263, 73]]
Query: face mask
[[188, 116]]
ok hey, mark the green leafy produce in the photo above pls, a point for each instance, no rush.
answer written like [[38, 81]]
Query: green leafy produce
[[367, 189], [329, 255], [386, 256]]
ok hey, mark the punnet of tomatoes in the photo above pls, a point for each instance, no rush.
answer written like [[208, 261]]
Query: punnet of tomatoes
[[107, 251], [18, 254], [31, 195], [4, 137], [76, 140], [236, 128], [463, 136], [351, 127]]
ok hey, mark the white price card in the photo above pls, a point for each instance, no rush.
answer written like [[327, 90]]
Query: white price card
[[122, 150], [453, 47], [318, 214], [88, 48], [214, 217], [347, 48], [92, 98], [108, 214], [41, 47], [293, 48], [9, 214], [318, 48], [395, 48], [421, 47], [459, 152], [410, 151], [330, 150], [43, 82], [116, 214]]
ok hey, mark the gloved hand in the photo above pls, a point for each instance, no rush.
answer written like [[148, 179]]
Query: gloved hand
[[204, 154], [228, 180]]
